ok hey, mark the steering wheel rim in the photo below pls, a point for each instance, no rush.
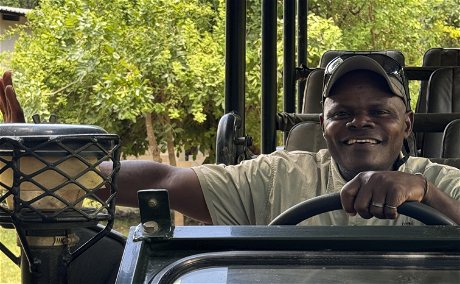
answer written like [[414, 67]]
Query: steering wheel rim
[[331, 202]]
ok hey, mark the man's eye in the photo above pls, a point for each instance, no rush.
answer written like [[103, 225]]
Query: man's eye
[[339, 115], [380, 112]]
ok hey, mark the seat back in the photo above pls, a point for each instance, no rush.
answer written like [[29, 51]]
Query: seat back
[[313, 92], [306, 136], [440, 57], [451, 140], [443, 96], [331, 54]]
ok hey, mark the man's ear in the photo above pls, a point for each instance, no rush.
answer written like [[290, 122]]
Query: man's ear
[[321, 121], [409, 122]]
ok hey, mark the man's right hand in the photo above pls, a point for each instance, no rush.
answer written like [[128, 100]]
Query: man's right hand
[[9, 105]]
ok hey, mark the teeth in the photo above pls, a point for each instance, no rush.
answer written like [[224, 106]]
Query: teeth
[[353, 141]]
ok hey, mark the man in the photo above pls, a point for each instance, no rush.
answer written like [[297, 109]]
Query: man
[[366, 117]]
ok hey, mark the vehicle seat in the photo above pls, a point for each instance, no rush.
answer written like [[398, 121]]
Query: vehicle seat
[[313, 92], [443, 96], [306, 136], [451, 140], [441, 57], [450, 145]]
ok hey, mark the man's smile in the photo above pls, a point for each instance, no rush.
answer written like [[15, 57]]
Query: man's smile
[[352, 141]]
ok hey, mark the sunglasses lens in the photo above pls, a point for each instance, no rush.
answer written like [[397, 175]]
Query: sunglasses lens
[[333, 65], [391, 66]]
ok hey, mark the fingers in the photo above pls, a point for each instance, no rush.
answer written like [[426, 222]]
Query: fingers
[[382, 211], [7, 78], [15, 113], [348, 195], [372, 194], [3, 105], [375, 205], [9, 104]]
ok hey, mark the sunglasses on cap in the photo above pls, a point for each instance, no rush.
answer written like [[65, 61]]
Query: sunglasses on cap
[[393, 72]]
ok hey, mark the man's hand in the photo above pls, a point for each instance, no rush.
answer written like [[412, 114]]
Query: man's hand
[[9, 105], [380, 193]]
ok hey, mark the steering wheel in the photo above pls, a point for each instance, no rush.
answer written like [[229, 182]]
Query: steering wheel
[[331, 202]]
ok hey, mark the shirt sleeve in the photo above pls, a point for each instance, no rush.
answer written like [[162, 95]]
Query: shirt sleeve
[[237, 195], [445, 178], [256, 191]]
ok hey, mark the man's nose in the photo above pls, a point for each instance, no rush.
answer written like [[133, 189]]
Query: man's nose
[[360, 121]]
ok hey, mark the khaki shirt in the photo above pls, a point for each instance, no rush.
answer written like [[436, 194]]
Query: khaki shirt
[[256, 191]]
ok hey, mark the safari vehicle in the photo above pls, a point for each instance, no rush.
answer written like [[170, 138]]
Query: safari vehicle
[[156, 251]]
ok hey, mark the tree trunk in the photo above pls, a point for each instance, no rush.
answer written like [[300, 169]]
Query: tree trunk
[[178, 218], [170, 143], [153, 145]]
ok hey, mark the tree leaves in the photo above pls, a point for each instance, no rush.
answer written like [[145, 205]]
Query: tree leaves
[[109, 62]]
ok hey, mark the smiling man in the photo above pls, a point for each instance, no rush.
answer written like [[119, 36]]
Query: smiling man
[[363, 125], [366, 117]]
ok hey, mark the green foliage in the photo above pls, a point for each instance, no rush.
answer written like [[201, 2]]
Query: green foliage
[[9, 271], [107, 63], [29, 4], [323, 35], [411, 26]]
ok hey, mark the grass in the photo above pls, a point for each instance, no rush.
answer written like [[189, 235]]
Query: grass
[[10, 273]]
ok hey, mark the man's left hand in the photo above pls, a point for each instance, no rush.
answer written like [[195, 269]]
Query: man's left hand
[[380, 193]]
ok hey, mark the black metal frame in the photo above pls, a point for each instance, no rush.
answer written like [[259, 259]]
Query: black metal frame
[[163, 254], [160, 260], [292, 71], [235, 62], [38, 262]]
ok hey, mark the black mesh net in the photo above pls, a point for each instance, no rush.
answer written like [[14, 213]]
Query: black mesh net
[[57, 179]]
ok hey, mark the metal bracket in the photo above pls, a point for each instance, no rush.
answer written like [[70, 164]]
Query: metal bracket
[[155, 214]]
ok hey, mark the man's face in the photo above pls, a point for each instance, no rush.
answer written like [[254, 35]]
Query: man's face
[[364, 124]]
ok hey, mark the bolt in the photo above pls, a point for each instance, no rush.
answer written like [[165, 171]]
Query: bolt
[[152, 202], [151, 226]]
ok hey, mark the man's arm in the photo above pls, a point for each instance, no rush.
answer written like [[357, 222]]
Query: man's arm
[[440, 201], [380, 193], [184, 189], [183, 186]]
